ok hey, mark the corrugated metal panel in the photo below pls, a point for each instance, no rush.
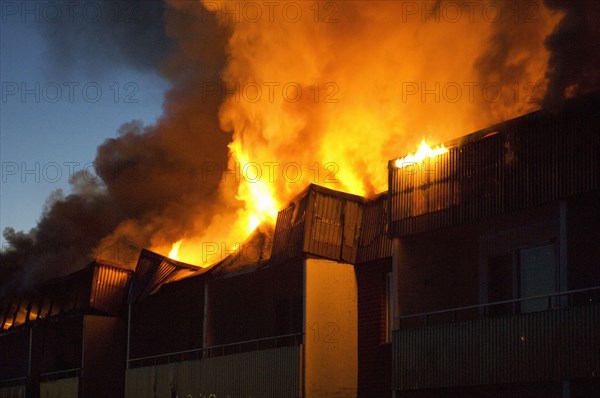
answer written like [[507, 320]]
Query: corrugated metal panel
[[333, 221], [320, 222], [289, 232], [12, 392], [109, 287], [374, 243], [62, 388], [560, 344], [520, 163], [268, 373], [154, 270]]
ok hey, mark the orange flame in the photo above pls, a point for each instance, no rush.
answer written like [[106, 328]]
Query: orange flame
[[424, 152], [174, 253], [258, 195]]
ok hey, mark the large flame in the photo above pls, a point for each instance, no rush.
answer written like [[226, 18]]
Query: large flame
[[255, 191], [330, 96]]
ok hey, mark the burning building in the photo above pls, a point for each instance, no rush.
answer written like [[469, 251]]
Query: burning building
[[475, 274]]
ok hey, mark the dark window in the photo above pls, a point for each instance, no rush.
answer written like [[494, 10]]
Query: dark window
[[500, 283]]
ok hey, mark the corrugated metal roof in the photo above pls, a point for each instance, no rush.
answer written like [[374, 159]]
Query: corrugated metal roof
[[154, 270], [528, 161], [97, 287], [109, 288]]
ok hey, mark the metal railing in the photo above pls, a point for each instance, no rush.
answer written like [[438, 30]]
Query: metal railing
[[13, 382], [478, 311], [218, 350], [60, 374]]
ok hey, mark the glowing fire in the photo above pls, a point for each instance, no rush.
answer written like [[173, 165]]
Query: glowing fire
[[258, 194], [424, 152], [174, 253]]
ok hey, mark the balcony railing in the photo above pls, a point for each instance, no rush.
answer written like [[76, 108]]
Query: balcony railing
[[506, 307], [450, 349], [61, 374], [218, 350]]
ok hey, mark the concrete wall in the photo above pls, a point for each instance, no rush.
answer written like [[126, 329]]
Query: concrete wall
[[331, 332]]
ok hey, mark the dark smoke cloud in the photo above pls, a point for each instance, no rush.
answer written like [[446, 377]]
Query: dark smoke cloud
[[574, 65], [94, 36], [150, 182]]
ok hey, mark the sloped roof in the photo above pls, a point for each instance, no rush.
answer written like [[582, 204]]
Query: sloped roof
[[254, 253], [154, 270], [99, 287]]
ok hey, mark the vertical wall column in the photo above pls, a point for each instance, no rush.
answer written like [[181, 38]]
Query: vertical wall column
[[331, 329], [395, 276]]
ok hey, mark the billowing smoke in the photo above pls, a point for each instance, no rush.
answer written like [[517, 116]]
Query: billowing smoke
[[92, 36], [574, 65], [322, 92], [149, 185]]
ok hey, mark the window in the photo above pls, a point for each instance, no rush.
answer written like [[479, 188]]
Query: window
[[537, 276], [522, 273], [500, 283]]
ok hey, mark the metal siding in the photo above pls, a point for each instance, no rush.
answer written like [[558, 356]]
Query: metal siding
[[288, 236], [327, 224], [333, 225], [109, 287], [525, 162], [62, 388], [537, 347], [268, 373]]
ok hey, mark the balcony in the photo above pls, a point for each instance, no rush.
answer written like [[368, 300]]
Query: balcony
[[445, 349], [268, 367]]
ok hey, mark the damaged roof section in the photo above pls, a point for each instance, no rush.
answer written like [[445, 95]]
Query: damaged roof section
[[320, 222], [99, 288], [374, 243], [249, 256], [154, 270]]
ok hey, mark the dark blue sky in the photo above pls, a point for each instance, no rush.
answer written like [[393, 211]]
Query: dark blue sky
[[53, 119]]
